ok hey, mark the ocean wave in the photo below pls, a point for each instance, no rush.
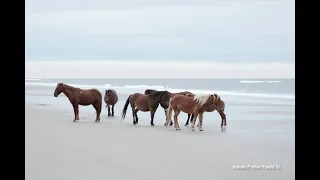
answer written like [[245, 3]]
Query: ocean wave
[[32, 79], [140, 88], [255, 82]]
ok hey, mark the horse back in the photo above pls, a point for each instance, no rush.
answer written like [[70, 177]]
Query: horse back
[[96, 93]]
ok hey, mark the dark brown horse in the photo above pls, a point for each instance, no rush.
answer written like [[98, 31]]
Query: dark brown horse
[[192, 105], [145, 103], [110, 98], [82, 97], [219, 104], [166, 105]]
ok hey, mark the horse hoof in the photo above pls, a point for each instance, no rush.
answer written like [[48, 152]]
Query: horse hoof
[[192, 129], [201, 129], [178, 129], [152, 124], [186, 124]]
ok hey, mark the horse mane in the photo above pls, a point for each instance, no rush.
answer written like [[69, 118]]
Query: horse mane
[[150, 91], [112, 91], [157, 93], [68, 86], [201, 98]]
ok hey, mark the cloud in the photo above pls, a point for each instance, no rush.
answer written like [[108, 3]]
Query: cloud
[[158, 69], [212, 28]]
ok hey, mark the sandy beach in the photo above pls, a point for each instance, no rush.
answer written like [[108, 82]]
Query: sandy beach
[[58, 149]]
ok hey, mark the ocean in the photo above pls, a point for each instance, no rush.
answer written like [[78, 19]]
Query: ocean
[[261, 99]]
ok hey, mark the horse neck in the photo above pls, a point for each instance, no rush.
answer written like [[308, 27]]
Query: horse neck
[[208, 103], [67, 90]]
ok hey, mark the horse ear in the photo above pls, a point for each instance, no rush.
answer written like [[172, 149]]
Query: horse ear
[[212, 97]]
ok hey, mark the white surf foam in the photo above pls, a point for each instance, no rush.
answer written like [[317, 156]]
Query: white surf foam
[[254, 82], [140, 88], [32, 79]]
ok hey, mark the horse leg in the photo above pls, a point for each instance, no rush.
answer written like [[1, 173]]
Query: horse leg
[[223, 118], [136, 115], [97, 107], [76, 111], [109, 114], [195, 115], [133, 114], [175, 117], [171, 123], [200, 121], [187, 123], [112, 110], [152, 112]]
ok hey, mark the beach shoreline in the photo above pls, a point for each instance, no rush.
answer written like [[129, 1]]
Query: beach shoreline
[[57, 148]]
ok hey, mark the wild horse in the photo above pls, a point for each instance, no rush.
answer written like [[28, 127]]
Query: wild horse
[[82, 97], [218, 104], [166, 105], [145, 103], [195, 105], [111, 99]]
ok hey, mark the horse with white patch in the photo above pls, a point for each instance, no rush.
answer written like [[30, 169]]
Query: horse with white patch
[[219, 103], [195, 105]]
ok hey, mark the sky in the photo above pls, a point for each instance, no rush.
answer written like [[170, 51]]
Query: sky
[[225, 32], [219, 30]]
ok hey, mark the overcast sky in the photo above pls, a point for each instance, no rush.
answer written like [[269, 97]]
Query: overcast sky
[[256, 31]]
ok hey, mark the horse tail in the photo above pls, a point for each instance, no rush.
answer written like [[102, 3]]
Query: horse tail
[[169, 111], [125, 107]]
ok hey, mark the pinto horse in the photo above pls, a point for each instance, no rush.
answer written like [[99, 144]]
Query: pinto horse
[[110, 98], [145, 103], [166, 105], [82, 97], [219, 103], [195, 105]]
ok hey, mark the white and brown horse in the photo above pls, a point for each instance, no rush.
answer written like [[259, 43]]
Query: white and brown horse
[[195, 105]]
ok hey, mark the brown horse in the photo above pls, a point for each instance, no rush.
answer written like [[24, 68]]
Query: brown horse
[[219, 104], [192, 105], [145, 103], [110, 98], [82, 97], [166, 105]]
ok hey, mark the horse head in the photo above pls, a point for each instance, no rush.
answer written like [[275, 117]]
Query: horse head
[[161, 97], [217, 97], [58, 90], [164, 99]]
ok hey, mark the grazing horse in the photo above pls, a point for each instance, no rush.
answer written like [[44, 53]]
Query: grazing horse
[[145, 103], [166, 105], [82, 97], [195, 105], [219, 103], [110, 98]]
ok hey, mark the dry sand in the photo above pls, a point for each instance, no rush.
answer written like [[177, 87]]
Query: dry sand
[[58, 149]]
